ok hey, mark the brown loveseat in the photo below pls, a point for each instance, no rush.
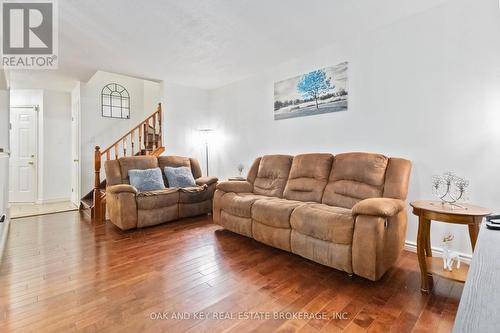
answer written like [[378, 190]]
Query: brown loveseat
[[128, 208], [345, 211]]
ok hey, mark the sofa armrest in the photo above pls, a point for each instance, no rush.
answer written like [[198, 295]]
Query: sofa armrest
[[235, 186], [206, 180], [379, 235], [382, 207], [122, 206], [121, 188]]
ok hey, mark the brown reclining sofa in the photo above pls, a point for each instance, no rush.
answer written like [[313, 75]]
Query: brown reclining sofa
[[345, 211], [128, 208]]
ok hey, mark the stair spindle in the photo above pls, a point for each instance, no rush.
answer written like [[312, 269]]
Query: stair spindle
[[146, 135], [124, 144], [140, 139], [132, 142], [154, 131], [158, 110]]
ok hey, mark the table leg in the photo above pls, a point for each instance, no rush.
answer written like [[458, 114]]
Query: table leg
[[421, 249], [474, 231], [428, 250]]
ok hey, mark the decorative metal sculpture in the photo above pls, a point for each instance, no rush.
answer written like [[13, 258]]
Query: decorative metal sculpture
[[449, 188]]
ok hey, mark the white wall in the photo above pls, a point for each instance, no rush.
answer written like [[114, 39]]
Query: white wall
[[57, 145], [4, 119], [100, 131], [185, 110], [54, 140], [426, 88], [152, 95]]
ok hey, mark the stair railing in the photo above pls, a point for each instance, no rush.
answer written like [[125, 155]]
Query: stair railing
[[145, 137]]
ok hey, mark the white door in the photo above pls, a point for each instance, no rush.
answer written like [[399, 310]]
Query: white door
[[75, 149], [23, 159]]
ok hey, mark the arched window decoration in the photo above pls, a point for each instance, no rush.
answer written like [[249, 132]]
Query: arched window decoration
[[115, 101]]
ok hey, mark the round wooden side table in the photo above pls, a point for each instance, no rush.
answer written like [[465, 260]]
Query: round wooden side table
[[427, 211]]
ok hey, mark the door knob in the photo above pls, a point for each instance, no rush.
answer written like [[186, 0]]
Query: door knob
[[76, 160], [31, 163]]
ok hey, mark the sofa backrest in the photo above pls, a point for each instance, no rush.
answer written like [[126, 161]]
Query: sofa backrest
[[272, 175], [308, 177], [397, 178], [351, 177], [117, 170], [135, 162], [354, 177]]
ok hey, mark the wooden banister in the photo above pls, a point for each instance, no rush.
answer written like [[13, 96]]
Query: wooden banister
[[145, 146]]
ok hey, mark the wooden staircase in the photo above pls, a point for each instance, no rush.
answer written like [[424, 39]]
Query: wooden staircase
[[144, 139]]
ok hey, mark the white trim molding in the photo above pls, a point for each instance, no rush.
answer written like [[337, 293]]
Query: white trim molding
[[49, 201], [436, 251]]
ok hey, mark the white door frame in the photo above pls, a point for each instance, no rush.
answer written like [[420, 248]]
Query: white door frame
[[37, 147], [75, 151]]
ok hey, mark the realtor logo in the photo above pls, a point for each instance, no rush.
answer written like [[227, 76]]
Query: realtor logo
[[29, 34]]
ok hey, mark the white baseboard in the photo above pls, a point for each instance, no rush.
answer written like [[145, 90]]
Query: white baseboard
[[436, 251], [49, 201]]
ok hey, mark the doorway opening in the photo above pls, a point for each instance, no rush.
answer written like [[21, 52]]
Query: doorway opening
[[40, 165]]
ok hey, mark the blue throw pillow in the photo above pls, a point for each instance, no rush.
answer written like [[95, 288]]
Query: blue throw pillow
[[146, 180], [180, 177]]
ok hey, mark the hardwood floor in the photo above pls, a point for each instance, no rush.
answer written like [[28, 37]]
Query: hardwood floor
[[62, 273]]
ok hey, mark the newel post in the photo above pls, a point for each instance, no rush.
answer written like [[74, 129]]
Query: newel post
[[97, 184]]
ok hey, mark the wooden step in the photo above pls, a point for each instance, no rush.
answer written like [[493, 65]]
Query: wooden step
[[86, 203]]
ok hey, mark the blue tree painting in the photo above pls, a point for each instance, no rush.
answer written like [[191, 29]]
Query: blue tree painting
[[314, 84], [321, 91]]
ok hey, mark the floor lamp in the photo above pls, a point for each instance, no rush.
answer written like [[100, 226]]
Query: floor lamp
[[205, 132]]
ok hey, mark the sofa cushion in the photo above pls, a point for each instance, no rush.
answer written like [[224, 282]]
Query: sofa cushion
[[136, 162], [174, 162], [179, 177], [239, 204], [146, 180], [158, 199], [355, 176], [274, 212], [272, 175], [194, 194], [333, 224], [308, 177]]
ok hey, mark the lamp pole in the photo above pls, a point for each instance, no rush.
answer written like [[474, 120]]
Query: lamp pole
[[206, 153], [205, 132]]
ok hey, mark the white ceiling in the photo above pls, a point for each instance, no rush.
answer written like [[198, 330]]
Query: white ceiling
[[202, 43]]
